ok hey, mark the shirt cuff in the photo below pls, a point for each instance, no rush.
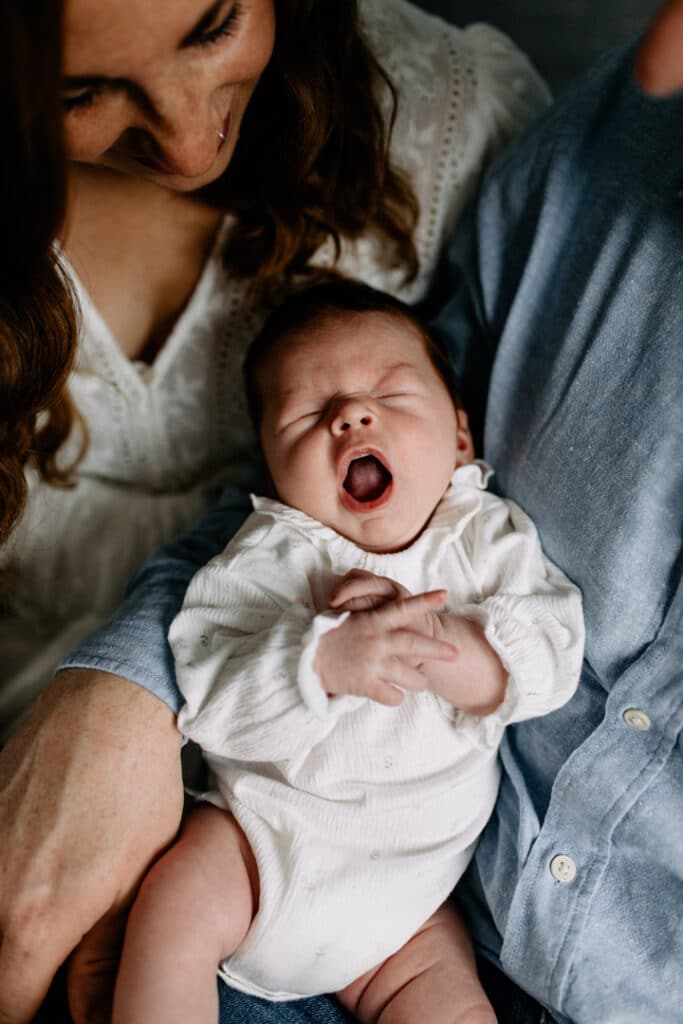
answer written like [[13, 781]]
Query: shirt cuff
[[311, 685], [134, 645]]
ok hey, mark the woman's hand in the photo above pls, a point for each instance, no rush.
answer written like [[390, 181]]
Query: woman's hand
[[90, 794]]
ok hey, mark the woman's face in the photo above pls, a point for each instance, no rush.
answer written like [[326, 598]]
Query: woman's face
[[151, 87]]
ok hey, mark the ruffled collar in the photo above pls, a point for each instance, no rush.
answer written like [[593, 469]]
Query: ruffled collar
[[461, 501]]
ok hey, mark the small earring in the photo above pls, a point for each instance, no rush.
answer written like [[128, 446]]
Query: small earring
[[221, 136]]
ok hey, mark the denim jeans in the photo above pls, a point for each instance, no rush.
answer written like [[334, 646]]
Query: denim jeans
[[512, 1006]]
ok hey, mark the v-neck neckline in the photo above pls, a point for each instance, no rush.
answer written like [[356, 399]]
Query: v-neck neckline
[[136, 370]]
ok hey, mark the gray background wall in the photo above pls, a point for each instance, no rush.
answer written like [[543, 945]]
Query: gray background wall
[[561, 37]]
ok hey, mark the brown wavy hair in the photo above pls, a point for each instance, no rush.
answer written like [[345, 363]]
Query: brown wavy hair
[[313, 163], [37, 313], [313, 160]]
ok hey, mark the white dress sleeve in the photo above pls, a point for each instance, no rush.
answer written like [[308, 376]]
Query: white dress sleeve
[[244, 645], [462, 94], [509, 92], [530, 612]]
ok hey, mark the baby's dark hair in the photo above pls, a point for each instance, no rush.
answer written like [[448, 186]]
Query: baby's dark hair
[[325, 302]]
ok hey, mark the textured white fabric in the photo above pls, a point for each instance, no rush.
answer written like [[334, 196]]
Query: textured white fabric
[[159, 434], [361, 817]]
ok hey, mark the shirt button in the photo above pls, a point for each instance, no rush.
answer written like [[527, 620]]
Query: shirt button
[[637, 719], [563, 868]]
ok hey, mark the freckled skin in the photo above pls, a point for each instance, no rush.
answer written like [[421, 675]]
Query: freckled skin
[[174, 99]]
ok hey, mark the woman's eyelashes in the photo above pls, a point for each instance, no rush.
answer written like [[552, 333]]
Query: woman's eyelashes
[[209, 37], [81, 100], [226, 27]]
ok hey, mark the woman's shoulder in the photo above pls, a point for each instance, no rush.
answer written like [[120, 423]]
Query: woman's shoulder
[[436, 57], [462, 93]]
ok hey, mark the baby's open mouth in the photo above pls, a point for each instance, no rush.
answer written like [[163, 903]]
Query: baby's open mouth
[[367, 478]]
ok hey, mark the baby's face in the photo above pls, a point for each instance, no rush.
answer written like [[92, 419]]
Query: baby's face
[[359, 430]]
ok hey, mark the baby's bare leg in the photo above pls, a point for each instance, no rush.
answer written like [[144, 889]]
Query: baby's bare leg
[[432, 978], [194, 908]]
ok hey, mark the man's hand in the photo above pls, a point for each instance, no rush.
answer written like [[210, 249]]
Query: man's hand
[[90, 794], [659, 65], [374, 653]]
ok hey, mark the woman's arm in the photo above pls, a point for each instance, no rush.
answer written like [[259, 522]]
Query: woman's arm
[[90, 786]]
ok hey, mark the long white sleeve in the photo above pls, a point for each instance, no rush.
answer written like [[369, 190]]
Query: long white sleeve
[[244, 659], [530, 612]]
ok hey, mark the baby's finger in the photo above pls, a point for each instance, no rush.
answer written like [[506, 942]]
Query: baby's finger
[[365, 603], [407, 676], [402, 612], [362, 585], [411, 647]]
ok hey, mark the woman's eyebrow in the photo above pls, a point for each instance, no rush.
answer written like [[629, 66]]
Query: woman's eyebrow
[[103, 82], [205, 22]]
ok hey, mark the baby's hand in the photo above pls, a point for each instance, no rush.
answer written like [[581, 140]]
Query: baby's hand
[[374, 653], [362, 591]]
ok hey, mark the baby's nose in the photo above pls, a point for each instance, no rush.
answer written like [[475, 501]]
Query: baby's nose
[[352, 414]]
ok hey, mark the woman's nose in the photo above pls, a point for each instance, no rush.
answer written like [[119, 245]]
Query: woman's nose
[[351, 414], [189, 151], [187, 130]]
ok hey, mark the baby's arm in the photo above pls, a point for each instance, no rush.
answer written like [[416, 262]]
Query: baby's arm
[[246, 645], [526, 608], [519, 637]]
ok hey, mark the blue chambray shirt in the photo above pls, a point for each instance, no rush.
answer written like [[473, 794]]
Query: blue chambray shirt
[[565, 303], [570, 275]]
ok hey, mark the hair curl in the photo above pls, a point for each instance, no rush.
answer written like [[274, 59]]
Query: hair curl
[[313, 163], [313, 159], [38, 328]]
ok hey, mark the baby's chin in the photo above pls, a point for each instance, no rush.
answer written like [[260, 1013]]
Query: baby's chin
[[380, 536]]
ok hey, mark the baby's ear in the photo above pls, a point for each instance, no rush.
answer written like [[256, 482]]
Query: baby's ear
[[464, 445]]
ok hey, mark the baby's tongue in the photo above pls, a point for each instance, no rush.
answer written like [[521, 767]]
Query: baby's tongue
[[366, 478]]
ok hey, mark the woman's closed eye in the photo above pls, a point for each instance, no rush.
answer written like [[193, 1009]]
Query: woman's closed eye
[[81, 100], [226, 27]]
